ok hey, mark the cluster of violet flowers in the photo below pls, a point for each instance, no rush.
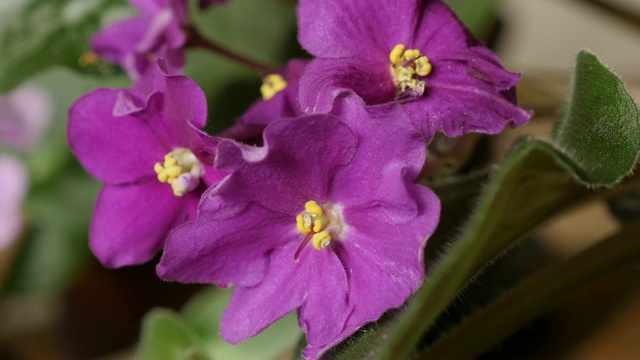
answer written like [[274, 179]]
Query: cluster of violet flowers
[[324, 217]]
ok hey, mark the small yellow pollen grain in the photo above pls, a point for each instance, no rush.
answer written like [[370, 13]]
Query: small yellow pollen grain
[[169, 161], [423, 66], [177, 192], [88, 58], [271, 85], [396, 53], [313, 208], [158, 168], [163, 177], [321, 240]]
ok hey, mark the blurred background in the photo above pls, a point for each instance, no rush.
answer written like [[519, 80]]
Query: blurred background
[[57, 302]]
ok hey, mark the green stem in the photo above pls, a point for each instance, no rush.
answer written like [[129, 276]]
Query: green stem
[[197, 40], [518, 306]]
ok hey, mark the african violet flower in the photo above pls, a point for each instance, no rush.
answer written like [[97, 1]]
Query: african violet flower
[[412, 52], [159, 32], [154, 161], [319, 219], [279, 100], [25, 114], [13, 188]]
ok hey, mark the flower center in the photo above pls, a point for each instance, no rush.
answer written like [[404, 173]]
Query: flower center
[[319, 225], [181, 169], [407, 67], [271, 85]]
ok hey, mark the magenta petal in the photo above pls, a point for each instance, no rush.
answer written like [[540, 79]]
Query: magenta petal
[[459, 100], [118, 39], [228, 251], [323, 80], [316, 285], [149, 7], [357, 28], [439, 31], [113, 149], [297, 176], [131, 221]]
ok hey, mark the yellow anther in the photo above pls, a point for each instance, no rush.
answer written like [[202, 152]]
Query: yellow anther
[[396, 53], [301, 226], [411, 54], [321, 240], [163, 177], [88, 58], [313, 208], [169, 161], [271, 85], [158, 168], [317, 225], [177, 192], [174, 171], [423, 66]]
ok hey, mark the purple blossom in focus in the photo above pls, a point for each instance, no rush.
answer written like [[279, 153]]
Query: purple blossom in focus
[[415, 53], [158, 32], [279, 100], [25, 114], [321, 220], [134, 142], [14, 183]]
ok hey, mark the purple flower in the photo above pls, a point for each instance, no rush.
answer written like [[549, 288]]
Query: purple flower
[[25, 114], [412, 52], [136, 42], [13, 188], [319, 219], [279, 100], [154, 161]]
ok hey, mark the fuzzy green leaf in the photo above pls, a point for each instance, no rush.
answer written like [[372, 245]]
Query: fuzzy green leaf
[[167, 336]]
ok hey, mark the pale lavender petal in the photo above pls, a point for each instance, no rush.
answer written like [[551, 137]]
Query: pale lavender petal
[[117, 41], [25, 114], [113, 149], [149, 7], [358, 28], [316, 285], [14, 183], [131, 222]]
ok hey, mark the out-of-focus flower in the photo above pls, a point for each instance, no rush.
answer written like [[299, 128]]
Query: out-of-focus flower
[[415, 53], [158, 32], [14, 183], [155, 163], [319, 219], [25, 114], [279, 100]]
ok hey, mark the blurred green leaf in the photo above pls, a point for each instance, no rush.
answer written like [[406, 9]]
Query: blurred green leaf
[[537, 295], [479, 16], [204, 313], [37, 34], [166, 335], [261, 29], [58, 214]]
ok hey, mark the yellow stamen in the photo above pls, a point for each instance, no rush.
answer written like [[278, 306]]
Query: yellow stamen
[[313, 208], [321, 240], [271, 85], [407, 66], [88, 58], [396, 53], [301, 226], [181, 169]]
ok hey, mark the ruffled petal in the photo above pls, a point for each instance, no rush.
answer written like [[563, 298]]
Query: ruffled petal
[[119, 39], [131, 222], [316, 285], [226, 250], [459, 99], [438, 31], [113, 149], [359, 28], [295, 165], [386, 137], [324, 80]]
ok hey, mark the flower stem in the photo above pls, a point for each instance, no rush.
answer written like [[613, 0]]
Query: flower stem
[[197, 40]]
